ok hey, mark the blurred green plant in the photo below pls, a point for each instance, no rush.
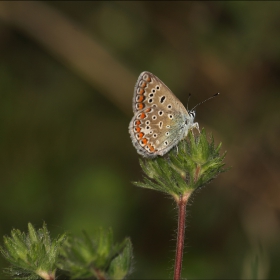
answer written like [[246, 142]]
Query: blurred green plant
[[34, 255], [97, 257]]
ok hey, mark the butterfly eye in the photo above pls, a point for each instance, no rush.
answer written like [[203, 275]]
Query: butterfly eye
[[192, 114]]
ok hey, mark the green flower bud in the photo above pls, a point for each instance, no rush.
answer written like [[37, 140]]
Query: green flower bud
[[190, 165]]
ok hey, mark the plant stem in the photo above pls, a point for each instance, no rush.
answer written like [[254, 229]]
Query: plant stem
[[46, 275], [99, 275], [181, 204]]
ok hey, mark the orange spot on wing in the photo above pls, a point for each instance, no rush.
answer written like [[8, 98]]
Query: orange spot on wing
[[152, 149], [143, 84], [137, 122], [140, 106], [137, 128], [148, 110], [140, 135], [143, 116], [144, 141], [141, 91], [140, 98]]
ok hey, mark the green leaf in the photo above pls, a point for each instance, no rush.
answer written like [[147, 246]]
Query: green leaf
[[121, 264]]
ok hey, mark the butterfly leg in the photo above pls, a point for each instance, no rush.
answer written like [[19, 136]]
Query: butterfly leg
[[196, 126]]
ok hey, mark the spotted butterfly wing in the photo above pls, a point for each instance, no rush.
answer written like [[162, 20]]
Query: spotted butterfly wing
[[160, 120]]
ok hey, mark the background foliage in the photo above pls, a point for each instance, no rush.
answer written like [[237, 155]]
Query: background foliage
[[67, 72]]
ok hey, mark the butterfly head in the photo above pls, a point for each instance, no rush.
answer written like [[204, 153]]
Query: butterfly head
[[192, 114]]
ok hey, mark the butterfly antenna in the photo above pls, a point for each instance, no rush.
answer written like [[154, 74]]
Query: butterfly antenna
[[205, 100], [188, 102]]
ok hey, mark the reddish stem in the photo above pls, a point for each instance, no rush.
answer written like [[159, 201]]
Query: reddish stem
[[181, 203], [98, 274]]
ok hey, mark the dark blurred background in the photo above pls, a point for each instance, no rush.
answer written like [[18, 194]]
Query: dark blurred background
[[67, 73]]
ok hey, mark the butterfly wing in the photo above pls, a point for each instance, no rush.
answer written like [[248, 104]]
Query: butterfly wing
[[159, 117], [149, 90]]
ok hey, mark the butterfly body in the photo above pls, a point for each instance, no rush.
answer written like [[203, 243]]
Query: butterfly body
[[160, 120]]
